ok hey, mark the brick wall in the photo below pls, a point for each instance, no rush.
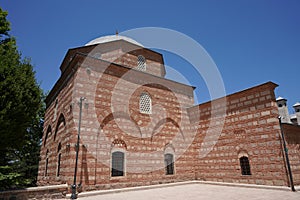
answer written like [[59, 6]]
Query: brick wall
[[206, 140], [106, 119], [250, 127], [292, 137]]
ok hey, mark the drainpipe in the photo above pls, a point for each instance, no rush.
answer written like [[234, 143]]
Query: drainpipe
[[286, 156], [74, 195]]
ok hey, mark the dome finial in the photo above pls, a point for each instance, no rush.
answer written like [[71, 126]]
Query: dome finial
[[117, 33]]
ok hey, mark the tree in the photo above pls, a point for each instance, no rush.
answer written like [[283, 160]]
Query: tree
[[21, 114]]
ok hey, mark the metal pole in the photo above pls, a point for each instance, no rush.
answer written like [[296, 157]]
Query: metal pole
[[74, 195], [287, 157]]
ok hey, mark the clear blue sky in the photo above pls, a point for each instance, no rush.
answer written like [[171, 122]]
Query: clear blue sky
[[251, 41]]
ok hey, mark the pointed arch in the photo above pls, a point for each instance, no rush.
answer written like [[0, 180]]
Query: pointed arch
[[166, 120], [49, 130], [118, 143], [116, 115], [60, 120], [169, 148]]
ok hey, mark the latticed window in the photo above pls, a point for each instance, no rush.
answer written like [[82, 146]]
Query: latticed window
[[141, 63], [169, 164], [117, 164], [145, 103], [245, 165]]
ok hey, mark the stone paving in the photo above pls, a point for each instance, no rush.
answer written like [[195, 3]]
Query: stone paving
[[200, 191]]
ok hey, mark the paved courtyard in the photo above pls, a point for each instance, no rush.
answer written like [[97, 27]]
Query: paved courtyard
[[200, 191]]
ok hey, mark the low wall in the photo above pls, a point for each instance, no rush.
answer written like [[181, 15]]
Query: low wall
[[42, 192]]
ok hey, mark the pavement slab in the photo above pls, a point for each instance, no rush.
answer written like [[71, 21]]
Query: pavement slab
[[200, 191]]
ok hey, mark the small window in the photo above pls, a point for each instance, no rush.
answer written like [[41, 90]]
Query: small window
[[280, 105], [58, 164], [58, 160], [117, 164], [169, 164], [141, 63], [145, 103], [46, 164], [245, 165]]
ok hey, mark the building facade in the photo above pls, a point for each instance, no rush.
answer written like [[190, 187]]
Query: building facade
[[139, 128]]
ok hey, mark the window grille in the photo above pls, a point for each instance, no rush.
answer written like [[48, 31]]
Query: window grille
[[141, 63], [169, 164], [117, 164], [145, 103], [245, 165]]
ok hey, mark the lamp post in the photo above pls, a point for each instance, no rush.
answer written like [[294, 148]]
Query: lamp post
[[74, 195], [286, 156]]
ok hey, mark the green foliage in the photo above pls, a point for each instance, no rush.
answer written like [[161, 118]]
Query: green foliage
[[4, 24], [21, 114]]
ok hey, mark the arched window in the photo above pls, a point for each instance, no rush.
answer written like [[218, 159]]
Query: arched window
[[169, 159], [117, 164], [141, 63], [245, 165], [145, 103], [169, 164], [47, 134], [118, 158], [58, 159], [61, 120]]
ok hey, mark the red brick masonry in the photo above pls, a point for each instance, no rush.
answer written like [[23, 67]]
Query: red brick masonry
[[206, 140]]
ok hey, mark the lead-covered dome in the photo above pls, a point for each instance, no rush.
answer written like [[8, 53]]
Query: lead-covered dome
[[110, 38]]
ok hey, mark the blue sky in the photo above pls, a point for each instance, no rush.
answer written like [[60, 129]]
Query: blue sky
[[251, 41]]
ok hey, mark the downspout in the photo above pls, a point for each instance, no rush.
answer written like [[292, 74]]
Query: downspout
[[286, 156]]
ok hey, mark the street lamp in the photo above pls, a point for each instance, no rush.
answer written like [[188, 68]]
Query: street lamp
[[74, 195]]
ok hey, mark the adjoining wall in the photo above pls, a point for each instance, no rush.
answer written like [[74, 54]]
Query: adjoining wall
[[251, 129], [292, 137]]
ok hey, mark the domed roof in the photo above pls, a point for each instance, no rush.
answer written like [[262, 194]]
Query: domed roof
[[296, 104], [280, 98], [110, 38]]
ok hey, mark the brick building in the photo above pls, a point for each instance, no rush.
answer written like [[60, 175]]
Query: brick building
[[139, 128]]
